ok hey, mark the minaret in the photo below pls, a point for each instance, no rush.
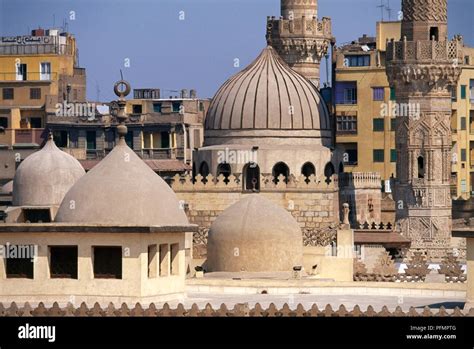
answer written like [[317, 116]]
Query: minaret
[[299, 37], [422, 68]]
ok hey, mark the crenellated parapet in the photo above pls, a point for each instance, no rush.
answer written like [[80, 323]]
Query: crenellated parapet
[[268, 183]]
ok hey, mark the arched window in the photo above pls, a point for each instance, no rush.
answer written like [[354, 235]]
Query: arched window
[[329, 171], [251, 175], [280, 169], [204, 171], [307, 170], [225, 170], [421, 167]]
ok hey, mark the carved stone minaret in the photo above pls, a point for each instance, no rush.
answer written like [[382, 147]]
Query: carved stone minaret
[[299, 37], [422, 68]]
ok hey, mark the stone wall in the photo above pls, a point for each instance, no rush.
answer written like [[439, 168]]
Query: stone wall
[[312, 202]]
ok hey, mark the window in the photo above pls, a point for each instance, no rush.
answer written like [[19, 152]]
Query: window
[[164, 260], [393, 95], [346, 124], [225, 170], [63, 262], [329, 170], [280, 169], [157, 107], [378, 124], [152, 261], [129, 139], [4, 122], [174, 265], [60, 138], [346, 92], [434, 33], [165, 140], [463, 155], [308, 169], [21, 266], [463, 123], [176, 107], [204, 170], [8, 93], [201, 106], [251, 177], [379, 155], [463, 186], [35, 215], [91, 140], [35, 93], [21, 72], [45, 71], [393, 155], [357, 60], [350, 153], [379, 93], [471, 88], [36, 122], [454, 93], [421, 167], [463, 91], [393, 124], [136, 109], [107, 262]]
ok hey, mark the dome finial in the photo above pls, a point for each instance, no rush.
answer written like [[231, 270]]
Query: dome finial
[[122, 89]]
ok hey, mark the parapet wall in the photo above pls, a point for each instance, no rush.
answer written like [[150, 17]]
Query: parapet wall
[[313, 202]]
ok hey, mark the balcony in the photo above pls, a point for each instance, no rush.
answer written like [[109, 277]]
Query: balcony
[[158, 154], [427, 50], [29, 76], [12, 137]]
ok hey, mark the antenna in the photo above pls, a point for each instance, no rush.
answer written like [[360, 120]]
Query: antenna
[[54, 20], [121, 74], [389, 10], [381, 7]]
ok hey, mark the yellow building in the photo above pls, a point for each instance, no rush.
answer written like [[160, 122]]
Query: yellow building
[[36, 72], [365, 110]]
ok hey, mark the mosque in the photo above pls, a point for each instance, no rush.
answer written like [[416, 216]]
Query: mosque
[[268, 192]]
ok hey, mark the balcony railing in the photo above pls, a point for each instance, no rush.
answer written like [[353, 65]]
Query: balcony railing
[[29, 76], [425, 50], [17, 50]]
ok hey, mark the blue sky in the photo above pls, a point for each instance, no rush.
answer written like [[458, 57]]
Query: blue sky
[[197, 52]]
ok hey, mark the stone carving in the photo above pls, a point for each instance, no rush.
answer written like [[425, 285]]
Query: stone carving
[[451, 267], [425, 10], [417, 268], [319, 237], [385, 269]]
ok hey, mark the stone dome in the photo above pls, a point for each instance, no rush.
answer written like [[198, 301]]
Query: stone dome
[[254, 235], [122, 190], [44, 177], [267, 100]]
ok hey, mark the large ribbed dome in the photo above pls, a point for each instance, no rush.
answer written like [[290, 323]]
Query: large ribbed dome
[[254, 235], [122, 190], [45, 176], [267, 99]]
